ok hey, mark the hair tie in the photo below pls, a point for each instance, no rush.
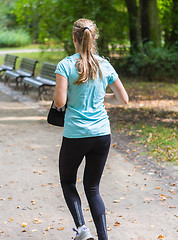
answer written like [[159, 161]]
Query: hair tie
[[85, 28]]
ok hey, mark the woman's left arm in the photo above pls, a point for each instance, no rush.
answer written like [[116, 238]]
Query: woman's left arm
[[60, 92]]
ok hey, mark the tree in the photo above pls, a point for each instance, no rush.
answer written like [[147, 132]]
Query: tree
[[134, 25], [174, 21], [150, 28], [7, 18], [55, 19]]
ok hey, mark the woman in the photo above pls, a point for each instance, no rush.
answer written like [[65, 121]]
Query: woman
[[81, 80]]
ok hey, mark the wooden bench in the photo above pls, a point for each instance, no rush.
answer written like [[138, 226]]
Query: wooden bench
[[46, 80], [26, 69], [9, 63]]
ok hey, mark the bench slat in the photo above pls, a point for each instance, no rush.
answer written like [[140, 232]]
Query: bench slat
[[32, 81], [26, 69], [9, 62], [46, 79]]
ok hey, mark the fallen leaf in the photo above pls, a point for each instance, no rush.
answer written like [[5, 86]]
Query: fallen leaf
[[37, 221], [24, 225], [116, 201], [109, 229], [34, 230], [1, 231], [61, 228], [163, 198], [39, 172], [11, 219], [117, 224], [33, 202], [11, 182], [161, 237], [169, 196]]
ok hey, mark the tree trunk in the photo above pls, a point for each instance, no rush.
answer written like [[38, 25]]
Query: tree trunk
[[134, 26], [103, 44], [174, 15], [150, 28]]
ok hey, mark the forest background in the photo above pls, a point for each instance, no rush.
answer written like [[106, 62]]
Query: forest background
[[139, 36]]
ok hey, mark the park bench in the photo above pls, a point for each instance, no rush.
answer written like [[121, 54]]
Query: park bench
[[46, 80], [9, 63], [26, 69]]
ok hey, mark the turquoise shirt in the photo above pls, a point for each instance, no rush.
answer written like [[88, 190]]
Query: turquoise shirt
[[86, 115]]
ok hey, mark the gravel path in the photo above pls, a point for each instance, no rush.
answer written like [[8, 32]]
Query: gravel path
[[3, 52]]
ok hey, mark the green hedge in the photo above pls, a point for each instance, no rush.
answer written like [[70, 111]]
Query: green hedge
[[14, 38]]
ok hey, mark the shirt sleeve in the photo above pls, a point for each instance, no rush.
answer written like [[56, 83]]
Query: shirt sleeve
[[63, 68], [112, 76]]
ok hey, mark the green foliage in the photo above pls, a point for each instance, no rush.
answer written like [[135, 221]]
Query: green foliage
[[7, 17], [46, 19], [168, 11], [14, 38], [153, 63]]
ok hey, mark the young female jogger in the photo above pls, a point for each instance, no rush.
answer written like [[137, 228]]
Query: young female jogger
[[81, 80]]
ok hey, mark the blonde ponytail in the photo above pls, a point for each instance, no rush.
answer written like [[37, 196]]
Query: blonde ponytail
[[84, 31]]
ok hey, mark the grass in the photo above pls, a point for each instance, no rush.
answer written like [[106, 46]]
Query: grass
[[161, 141], [52, 57], [143, 90], [156, 130]]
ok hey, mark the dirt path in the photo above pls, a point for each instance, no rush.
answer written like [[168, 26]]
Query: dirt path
[[140, 198]]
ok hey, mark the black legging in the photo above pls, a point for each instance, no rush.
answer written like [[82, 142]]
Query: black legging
[[95, 150]]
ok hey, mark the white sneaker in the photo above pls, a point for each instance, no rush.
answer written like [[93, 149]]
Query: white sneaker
[[83, 233]]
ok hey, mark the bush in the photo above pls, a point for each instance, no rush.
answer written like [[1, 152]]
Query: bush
[[152, 63], [14, 38]]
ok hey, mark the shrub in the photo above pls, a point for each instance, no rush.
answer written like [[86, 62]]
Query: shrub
[[14, 38], [152, 63]]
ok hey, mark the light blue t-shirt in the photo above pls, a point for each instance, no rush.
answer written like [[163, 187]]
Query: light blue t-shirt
[[86, 115]]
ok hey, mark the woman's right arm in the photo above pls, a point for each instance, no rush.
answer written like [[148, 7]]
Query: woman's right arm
[[60, 92], [119, 95]]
